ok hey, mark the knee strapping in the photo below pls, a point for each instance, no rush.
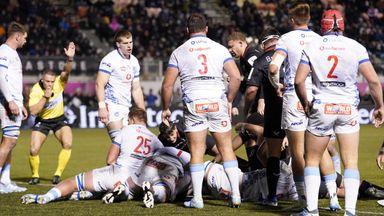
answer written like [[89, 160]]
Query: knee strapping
[[80, 183], [113, 133], [11, 132]]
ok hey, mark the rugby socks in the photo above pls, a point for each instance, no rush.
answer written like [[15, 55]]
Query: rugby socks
[[337, 163], [300, 187], [34, 162], [5, 174], [231, 169], [330, 183], [52, 194], [113, 133], [312, 183], [273, 174], [160, 192], [63, 159], [197, 174], [351, 185]]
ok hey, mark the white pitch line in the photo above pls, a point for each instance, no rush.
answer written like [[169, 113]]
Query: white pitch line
[[40, 184], [360, 212]]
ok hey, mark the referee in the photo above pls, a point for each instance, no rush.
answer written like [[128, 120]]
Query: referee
[[46, 103]]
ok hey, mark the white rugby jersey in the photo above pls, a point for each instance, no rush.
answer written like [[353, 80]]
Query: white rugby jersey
[[335, 60], [200, 62], [11, 73], [292, 43], [136, 143], [253, 185], [122, 73]]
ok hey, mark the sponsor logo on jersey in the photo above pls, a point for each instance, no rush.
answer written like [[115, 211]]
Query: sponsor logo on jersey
[[197, 42], [321, 128], [296, 123], [107, 64], [197, 123], [338, 109], [332, 84], [224, 123], [207, 107], [199, 49]]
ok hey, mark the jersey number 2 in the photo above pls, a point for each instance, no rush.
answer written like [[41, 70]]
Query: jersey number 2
[[336, 61], [203, 61], [145, 143]]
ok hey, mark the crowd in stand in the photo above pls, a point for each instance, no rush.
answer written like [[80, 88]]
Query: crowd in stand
[[50, 27]]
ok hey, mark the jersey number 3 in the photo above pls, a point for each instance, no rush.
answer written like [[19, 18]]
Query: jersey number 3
[[336, 61], [203, 61], [145, 143]]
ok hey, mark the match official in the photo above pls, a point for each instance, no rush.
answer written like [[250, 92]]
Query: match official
[[47, 104]]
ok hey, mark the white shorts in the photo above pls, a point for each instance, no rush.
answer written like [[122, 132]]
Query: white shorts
[[208, 113], [105, 178], [217, 180], [117, 112], [326, 119], [293, 116], [10, 124], [254, 185], [156, 170]]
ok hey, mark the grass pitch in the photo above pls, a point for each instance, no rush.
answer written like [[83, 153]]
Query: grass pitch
[[90, 150]]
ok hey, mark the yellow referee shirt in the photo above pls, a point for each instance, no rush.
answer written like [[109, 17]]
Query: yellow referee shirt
[[54, 107]]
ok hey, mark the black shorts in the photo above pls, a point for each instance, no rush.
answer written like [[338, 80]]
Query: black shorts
[[45, 125], [256, 119], [272, 121], [210, 141]]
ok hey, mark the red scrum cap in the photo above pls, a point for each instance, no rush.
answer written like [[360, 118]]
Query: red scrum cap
[[332, 20]]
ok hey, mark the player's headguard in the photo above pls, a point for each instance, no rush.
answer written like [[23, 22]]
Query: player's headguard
[[268, 34], [332, 20]]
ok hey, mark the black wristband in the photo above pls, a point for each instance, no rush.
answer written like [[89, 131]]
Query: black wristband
[[45, 97]]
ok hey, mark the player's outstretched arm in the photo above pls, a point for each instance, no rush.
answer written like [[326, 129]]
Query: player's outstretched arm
[[70, 53], [101, 81], [250, 95], [380, 157], [366, 69], [301, 75], [234, 79], [166, 91], [274, 70], [137, 94]]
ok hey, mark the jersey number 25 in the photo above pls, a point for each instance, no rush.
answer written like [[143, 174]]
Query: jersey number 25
[[143, 147]]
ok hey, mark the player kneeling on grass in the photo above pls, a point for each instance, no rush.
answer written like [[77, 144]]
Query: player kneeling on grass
[[128, 150], [156, 179]]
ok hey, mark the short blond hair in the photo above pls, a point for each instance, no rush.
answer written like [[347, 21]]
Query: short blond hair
[[15, 27], [300, 13], [237, 36]]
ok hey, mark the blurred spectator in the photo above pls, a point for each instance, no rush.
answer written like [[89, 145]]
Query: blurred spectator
[[151, 99]]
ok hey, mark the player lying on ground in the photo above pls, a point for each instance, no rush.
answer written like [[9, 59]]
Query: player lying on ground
[[128, 150], [160, 179]]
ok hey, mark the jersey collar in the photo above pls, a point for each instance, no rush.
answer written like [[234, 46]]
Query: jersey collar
[[122, 56], [332, 34], [198, 35], [303, 29]]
